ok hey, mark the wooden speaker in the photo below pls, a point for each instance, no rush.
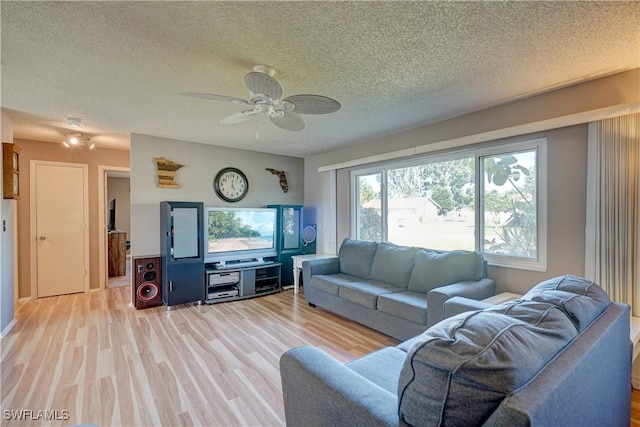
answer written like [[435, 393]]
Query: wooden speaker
[[147, 282]]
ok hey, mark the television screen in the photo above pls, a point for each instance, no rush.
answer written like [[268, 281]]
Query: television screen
[[112, 216], [240, 232]]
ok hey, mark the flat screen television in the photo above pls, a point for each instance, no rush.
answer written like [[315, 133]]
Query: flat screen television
[[112, 215], [239, 235]]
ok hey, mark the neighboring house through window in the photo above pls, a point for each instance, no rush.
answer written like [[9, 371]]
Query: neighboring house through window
[[491, 198]]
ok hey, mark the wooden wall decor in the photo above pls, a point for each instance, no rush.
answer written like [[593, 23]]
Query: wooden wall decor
[[166, 172], [283, 179], [10, 171]]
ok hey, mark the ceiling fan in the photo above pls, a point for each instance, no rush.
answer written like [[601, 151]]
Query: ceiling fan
[[265, 100]]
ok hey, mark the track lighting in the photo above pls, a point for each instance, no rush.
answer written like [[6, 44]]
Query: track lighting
[[76, 138]]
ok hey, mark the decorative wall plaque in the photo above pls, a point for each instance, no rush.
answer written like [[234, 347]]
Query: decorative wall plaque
[[166, 172]]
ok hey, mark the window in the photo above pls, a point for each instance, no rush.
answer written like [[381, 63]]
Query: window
[[491, 199], [369, 207], [432, 204]]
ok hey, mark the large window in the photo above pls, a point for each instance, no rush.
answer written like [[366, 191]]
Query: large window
[[491, 199]]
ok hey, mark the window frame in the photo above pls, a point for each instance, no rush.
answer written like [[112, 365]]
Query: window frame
[[478, 152]]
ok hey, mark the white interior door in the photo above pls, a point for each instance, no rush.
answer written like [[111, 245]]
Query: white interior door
[[60, 228]]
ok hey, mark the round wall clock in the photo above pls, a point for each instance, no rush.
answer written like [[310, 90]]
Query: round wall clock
[[231, 184]]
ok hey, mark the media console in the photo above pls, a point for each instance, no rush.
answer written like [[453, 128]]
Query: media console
[[239, 281]]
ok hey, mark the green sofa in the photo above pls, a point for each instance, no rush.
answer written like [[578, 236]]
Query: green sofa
[[397, 290]]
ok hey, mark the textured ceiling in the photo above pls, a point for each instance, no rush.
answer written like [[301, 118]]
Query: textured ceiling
[[120, 66]]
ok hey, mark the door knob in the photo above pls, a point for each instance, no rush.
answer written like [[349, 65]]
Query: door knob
[[42, 237]]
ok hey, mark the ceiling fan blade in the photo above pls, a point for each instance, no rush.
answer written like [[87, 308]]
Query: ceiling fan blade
[[313, 104], [287, 121], [264, 84], [238, 117], [214, 97]]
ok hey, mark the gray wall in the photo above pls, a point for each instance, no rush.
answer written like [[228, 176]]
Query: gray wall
[[559, 115], [202, 162], [7, 240]]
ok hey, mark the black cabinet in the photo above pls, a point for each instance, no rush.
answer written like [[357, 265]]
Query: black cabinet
[[289, 238], [183, 284], [182, 250]]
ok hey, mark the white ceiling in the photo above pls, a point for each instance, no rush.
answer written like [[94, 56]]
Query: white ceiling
[[121, 66]]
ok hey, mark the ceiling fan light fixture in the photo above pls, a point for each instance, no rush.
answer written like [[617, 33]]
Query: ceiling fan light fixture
[[265, 96]]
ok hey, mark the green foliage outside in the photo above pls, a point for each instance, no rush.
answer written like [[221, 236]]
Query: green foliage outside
[[517, 235], [370, 225], [449, 184], [509, 200], [225, 225], [370, 221]]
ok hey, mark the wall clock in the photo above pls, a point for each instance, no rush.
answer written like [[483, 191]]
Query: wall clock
[[231, 184]]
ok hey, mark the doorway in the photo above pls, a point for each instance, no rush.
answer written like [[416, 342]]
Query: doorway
[[114, 186], [59, 228]]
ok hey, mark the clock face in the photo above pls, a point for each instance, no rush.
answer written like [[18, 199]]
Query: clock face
[[231, 184]]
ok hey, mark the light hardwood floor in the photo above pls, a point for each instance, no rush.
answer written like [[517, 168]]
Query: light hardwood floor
[[109, 364], [635, 408]]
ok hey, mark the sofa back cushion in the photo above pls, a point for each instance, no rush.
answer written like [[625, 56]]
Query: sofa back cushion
[[393, 264], [434, 268], [459, 370], [581, 299], [356, 257]]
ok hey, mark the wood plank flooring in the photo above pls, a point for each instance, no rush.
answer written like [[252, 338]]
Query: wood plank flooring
[[635, 408], [90, 358]]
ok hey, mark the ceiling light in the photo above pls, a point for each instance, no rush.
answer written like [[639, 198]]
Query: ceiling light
[[76, 138]]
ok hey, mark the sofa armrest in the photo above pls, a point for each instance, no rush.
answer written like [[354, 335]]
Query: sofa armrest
[[457, 305], [319, 266], [477, 289], [320, 391]]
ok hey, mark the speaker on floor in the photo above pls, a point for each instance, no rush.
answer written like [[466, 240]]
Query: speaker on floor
[[147, 282]]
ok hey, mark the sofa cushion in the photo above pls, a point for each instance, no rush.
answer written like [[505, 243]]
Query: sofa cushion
[[581, 299], [393, 264], [408, 305], [356, 257], [433, 268], [474, 359], [391, 358], [330, 283], [366, 293]]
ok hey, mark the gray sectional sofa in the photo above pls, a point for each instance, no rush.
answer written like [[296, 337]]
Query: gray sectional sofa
[[559, 356], [397, 290]]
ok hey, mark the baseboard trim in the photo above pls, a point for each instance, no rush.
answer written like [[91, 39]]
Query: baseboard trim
[[635, 382], [8, 328]]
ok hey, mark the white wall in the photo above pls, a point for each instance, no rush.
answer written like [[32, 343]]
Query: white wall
[[7, 238], [202, 162]]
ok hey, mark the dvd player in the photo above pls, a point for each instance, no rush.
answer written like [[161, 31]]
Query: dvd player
[[223, 294]]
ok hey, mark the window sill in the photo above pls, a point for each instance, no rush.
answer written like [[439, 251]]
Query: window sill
[[516, 263]]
